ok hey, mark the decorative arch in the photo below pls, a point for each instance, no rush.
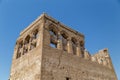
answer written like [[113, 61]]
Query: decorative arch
[[64, 34], [64, 38], [35, 33], [27, 39], [53, 31], [19, 49], [34, 38], [20, 44], [26, 44]]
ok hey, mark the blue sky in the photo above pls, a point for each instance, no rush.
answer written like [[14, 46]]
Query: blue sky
[[98, 20]]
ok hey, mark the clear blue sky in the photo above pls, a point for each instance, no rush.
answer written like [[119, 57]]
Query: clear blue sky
[[98, 20]]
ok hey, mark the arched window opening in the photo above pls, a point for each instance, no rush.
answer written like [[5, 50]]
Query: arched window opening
[[74, 45], [53, 33], [26, 44], [20, 49], [18, 55], [53, 38], [53, 45], [27, 40], [34, 39], [64, 41], [21, 44], [35, 34]]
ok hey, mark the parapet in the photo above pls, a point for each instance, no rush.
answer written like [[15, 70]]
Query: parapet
[[102, 57]]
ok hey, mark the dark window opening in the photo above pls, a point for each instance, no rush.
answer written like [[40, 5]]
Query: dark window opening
[[27, 39], [53, 35], [52, 32], [19, 51], [53, 45], [67, 78], [18, 55], [35, 34], [53, 39]]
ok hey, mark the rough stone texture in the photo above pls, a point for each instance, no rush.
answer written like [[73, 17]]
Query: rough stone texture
[[49, 50]]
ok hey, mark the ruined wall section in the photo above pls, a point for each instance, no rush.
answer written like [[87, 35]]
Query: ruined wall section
[[103, 58]]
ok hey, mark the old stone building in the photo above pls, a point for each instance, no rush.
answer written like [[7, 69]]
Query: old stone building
[[49, 50]]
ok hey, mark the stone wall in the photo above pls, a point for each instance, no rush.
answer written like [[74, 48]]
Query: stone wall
[[26, 63], [59, 65]]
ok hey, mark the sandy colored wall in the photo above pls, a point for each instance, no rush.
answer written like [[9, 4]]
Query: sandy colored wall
[[27, 67], [57, 65], [60, 65]]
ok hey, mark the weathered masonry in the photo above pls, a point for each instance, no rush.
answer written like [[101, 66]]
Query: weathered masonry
[[49, 50]]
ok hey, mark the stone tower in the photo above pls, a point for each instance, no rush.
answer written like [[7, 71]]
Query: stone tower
[[49, 50]]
